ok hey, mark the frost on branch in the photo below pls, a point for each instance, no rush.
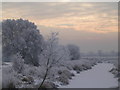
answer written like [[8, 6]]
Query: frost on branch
[[53, 54]]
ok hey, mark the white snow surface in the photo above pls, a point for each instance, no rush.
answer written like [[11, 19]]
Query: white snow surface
[[97, 77]]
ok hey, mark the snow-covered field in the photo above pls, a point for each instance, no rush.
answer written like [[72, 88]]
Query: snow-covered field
[[97, 77], [63, 75]]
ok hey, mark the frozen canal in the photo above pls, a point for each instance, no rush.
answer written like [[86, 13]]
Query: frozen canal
[[97, 77]]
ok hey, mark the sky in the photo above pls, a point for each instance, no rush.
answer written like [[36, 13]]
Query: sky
[[90, 25]]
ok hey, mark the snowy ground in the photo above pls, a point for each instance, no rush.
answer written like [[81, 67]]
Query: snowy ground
[[97, 77]]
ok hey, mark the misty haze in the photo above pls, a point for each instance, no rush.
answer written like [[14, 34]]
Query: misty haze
[[59, 45]]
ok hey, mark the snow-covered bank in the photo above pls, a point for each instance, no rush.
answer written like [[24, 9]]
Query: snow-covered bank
[[69, 74], [31, 76], [97, 77]]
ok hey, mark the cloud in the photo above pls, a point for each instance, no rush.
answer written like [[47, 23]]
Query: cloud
[[64, 24], [92, 26], [88, 41], [92, 17]]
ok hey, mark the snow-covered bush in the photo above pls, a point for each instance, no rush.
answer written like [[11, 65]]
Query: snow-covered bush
[[29, 70], [77, 68], [18, 63], [63, 79], [21, 36], [78, 65], [74, 52], [9, 78], [66, 73], [35, 72]]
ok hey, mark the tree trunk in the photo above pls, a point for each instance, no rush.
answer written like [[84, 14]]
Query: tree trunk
[[44, 78]]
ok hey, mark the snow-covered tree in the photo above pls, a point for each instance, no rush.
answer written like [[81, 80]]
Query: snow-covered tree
[[18, 63], [74, 52], [53, 54], [21, 36]]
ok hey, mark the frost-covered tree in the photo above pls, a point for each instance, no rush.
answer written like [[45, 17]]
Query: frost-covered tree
[[21, 36], [53, 54], [18, 63], [74, 52]]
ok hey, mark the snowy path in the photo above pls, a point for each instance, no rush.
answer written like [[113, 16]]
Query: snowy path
[[97, 77]]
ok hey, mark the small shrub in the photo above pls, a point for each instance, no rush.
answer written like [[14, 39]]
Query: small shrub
[[25, 79], [72, 74], [67, 73], [28, 79], [78, 72], [59, 72], [63, 79], [77, 68]]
